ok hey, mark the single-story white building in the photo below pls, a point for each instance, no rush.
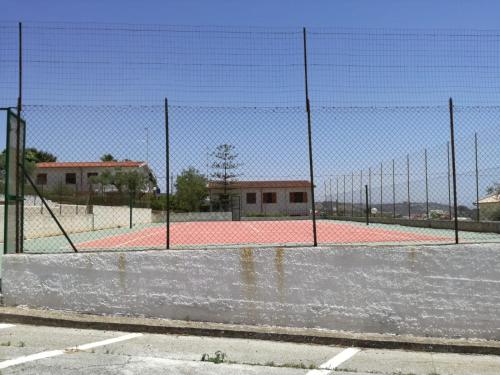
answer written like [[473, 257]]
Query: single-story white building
[[77, 175], [489, 207], [266, 197]]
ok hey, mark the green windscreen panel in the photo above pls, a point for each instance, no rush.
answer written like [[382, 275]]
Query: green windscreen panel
[[14, 186]]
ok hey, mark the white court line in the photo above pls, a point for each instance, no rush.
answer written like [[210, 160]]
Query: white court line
[[335, 362], [135, 239], [253, 228], [55, 353], [5, 325]]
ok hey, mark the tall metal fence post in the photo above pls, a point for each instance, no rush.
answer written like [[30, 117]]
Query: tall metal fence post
[[60, 196], [408, 184], [367, 206], [393, 190], [449, 179], [326, 194], [343, 207], [381, 189], [130, 205], [331, 197], [478, 216], [370, 187], [453, 169], [426, 185], [309, 133], [167, 173], [361, 191], [352, 194], [337, 196], [19, 155]]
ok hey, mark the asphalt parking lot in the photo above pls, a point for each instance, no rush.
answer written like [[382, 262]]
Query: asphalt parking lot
[[26, 349]]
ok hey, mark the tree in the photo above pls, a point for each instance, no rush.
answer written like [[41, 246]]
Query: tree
[[108, 157], [224, 168], [191, 190], [39, 156], [131, 182], [104, 179], [31, 157], [493, 189]]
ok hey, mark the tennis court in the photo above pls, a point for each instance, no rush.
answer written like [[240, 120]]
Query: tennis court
[[247, 233]]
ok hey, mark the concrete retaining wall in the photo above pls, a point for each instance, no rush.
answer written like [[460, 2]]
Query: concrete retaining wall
[[75, 219], [468, 226], [160, 216], [440, 291]]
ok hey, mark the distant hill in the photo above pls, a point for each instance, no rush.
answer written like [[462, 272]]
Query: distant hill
[[400, 208]]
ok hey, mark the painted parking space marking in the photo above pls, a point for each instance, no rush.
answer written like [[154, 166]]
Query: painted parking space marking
[[55, 353], [451, 278], [5, 325], [335, 362], [107, 342]]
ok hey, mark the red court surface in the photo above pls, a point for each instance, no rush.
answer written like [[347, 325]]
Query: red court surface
[[258, 232]]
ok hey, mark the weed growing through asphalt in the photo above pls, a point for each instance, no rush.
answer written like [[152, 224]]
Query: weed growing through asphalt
[[289, 365], [5, 343], [218, 357], [21, 344], [298, 365]]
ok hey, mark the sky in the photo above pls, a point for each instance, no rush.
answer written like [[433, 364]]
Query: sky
[[87, 56], [469, 14]]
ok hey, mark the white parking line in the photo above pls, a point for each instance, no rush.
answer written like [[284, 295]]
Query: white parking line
[[5, 325], [462, 279], [335, 362], [55, 353]]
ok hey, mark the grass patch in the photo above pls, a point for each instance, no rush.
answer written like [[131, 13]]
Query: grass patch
[[218, 357]]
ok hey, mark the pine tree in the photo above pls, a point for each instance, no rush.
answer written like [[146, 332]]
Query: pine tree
[[224, 168]]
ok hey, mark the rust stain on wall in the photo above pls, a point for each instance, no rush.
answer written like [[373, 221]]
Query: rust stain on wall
[[280, 272], [249, 279], [122, 262]]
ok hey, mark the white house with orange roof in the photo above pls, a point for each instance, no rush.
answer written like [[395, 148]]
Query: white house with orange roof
[[77, 175], [289, 197]]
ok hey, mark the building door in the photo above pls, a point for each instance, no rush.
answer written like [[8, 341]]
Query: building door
[[236, 207]]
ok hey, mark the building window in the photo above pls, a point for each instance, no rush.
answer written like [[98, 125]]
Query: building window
[[70, 178], [251, 198], [92, 174], [41, 179], [268, 197], [298, 197]]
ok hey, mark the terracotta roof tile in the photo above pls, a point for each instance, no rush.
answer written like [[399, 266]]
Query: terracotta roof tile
[[492, 198], [91, 164], [262, 184]]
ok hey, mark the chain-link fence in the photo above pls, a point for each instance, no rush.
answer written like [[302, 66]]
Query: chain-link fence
[[233, 160], [241, 177], [99, 170]]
